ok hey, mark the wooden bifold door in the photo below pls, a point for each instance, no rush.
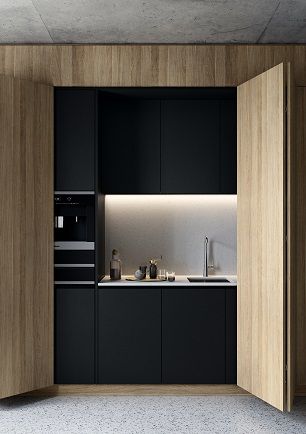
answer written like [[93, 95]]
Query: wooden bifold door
[[26, 228], [265, 237]]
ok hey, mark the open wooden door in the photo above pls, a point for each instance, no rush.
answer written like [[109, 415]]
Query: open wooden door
[[265, 238], [26, 234]]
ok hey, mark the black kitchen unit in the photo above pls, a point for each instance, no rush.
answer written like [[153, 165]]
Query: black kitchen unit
[[166, 335], [168, 140], [149, 140], [138, 141]]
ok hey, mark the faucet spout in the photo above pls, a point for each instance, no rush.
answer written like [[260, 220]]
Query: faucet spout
[[205, 269]]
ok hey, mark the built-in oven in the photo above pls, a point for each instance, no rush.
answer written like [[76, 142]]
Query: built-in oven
[[74, 239]]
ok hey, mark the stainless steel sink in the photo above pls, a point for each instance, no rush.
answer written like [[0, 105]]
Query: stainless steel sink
[[208, 279]]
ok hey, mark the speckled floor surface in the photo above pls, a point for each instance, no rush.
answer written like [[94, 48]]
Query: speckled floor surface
[[126, 415]]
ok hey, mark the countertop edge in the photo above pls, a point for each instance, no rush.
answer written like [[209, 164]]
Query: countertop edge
[[180, 281]]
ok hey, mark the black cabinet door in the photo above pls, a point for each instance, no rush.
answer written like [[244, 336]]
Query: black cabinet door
[[228, 146], [75, 139], [130, 143], [74, 336], [129, 336], [190, 146], [193, 336], [231, 335]]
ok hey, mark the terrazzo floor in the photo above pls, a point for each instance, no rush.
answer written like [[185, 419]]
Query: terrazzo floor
[[150, 414]]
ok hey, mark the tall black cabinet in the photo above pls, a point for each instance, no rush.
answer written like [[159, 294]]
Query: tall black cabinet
[[75, 132]]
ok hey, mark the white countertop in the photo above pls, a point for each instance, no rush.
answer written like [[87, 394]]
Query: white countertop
[[179, 281]]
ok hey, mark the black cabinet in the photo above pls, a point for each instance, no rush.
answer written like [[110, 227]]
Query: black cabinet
[[190, 146], [228, 147], [231, 335], [74, 336], [129, 136], [193, 335], [171, 141], [198, 146], [129, 335], [75, 136]]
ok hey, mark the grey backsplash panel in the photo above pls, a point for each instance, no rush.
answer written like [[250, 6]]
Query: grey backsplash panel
[[174, 226]]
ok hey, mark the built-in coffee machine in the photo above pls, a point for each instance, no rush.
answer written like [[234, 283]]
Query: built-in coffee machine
[[74, 235]]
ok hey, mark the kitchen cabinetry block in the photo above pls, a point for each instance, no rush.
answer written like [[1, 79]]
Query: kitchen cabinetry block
[[129, 335], [193, 335], [74, 336], [75, 120]]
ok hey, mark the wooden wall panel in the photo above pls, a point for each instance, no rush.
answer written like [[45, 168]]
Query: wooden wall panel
[[147, 65], [26, 236]]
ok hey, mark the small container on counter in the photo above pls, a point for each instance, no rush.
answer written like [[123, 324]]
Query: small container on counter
[[115, 266], [153, 269], [170, 276]]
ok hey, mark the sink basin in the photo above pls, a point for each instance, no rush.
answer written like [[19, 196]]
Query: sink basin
[[208, 279]]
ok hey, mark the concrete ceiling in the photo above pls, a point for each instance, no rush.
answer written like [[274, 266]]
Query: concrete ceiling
[[152, 21]]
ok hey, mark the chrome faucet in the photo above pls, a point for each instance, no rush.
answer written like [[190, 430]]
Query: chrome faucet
[[205, 269]]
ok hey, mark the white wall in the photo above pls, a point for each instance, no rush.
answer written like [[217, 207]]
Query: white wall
[[174, 226]]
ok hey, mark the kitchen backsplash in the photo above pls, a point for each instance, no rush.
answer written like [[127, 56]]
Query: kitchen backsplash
[[174, 226]]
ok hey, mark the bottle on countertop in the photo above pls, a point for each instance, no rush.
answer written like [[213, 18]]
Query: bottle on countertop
[[153, 269], [115, 266]]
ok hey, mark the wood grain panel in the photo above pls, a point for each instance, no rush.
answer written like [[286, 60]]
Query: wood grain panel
[[147, 65], [291, 274], [140, 389], [261, 230], [300, 256], [26, 236]]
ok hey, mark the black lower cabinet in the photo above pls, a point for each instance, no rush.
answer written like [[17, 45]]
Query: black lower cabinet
[[193, 336], [231, 335], [74, 336], [129, 335]]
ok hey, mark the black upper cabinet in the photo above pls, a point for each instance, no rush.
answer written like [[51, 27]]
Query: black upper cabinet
[[193, 335], [190, 146], [199, 146], [129, 335], [75, 120], [228, 147], [130, 145], [150, 140], [168, 140]]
